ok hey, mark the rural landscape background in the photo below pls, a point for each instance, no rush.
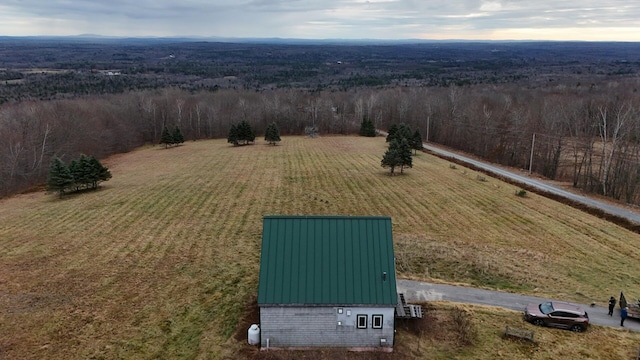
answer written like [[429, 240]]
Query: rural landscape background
[[162, 261], [568, 111]]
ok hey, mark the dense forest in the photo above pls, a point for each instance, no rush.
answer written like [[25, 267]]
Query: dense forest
[[587, 135], [583, 128]]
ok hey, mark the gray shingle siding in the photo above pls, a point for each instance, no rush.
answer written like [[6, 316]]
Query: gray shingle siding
[[317, 326]]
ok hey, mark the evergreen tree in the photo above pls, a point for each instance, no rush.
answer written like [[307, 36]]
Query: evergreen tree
[[399, 132], [245, 132], [60, 178], [93, 175], [81, 171], [404, 132], [416, 141], [363, 126], [232, 137], [76, 173], [99, 173], [84, 172], [404, 152], [177, 136], [391, 133], [398, 154], [367, 128], [166, 138], [391, 158], [251, 135], [272, 134], [242, 133]]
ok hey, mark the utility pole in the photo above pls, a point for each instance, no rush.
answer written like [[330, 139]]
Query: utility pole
[[427, 138], [533, 143]]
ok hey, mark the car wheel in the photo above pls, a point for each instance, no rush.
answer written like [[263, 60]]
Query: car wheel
[[538, 322], [577, 328]]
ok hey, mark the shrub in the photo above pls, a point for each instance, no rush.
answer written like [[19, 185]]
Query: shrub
[[464, 327], [521, 193]]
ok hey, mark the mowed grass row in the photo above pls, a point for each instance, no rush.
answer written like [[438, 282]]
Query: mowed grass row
[[162, 261]]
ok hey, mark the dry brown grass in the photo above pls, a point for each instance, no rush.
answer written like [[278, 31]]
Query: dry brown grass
[[450, 331], [162, 262]]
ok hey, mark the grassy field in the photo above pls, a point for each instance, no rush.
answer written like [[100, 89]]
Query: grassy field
[[163, 261]]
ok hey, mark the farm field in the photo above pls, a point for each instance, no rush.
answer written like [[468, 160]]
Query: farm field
[[163, 261]]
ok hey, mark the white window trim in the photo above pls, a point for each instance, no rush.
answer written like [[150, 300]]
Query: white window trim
[[366, 320], [373, 321]]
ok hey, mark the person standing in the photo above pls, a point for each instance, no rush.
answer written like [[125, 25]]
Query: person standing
[[623, 316], [612, 304]]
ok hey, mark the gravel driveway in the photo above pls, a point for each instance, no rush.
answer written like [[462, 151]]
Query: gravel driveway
[[424, 291]]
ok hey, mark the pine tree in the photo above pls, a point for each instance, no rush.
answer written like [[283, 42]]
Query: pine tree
[[166, 138], [60, 178], [245, 132], [99, 173], [404, 132], [391, 133], [391, 158], [177, 136], [416, 141], [76, 173], [367, 128], [242, 133], [272, 134], [404, 152], [232, 136], [251, 135], [83, 174]]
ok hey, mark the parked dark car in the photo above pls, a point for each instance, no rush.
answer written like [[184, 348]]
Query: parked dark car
[[558, 314]]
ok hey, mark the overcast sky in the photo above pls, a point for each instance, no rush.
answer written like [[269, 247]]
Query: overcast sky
[[328, 19]]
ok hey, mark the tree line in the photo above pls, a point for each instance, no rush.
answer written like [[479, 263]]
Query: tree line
[[585, 134]]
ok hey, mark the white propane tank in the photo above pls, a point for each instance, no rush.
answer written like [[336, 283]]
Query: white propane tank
[[254, 335]]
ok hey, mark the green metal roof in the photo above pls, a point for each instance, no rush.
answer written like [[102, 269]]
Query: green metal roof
[[327, 260]]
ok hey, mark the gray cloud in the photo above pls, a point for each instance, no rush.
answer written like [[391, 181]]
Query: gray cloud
[[471, 19]]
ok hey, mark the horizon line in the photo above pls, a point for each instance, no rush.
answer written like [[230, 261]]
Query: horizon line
[[258, 39]]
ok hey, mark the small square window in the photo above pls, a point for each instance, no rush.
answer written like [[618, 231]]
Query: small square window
[[339, 323], [377, 321], [348, 312], [362, 321], [339, 310]]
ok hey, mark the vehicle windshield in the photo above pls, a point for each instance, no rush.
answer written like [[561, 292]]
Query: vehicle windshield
[[546, 308]]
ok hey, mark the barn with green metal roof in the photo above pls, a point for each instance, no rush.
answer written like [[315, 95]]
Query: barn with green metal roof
[[327, 281]]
